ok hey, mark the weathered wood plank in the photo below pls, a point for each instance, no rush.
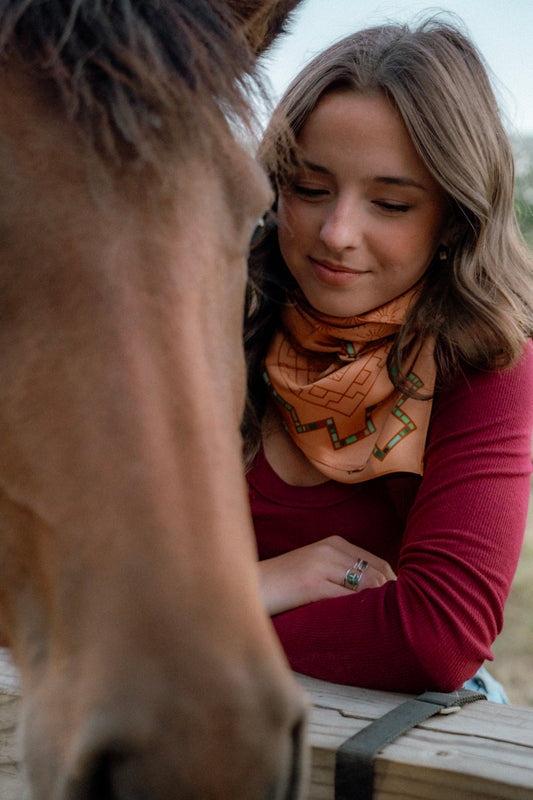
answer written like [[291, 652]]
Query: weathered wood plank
[[483, 752], [10, 778], [8, 674], [11, 783]]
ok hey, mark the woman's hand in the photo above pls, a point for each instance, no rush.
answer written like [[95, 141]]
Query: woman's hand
[[316, 572]]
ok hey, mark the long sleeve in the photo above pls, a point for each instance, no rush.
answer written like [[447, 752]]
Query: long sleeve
[[457, 554]]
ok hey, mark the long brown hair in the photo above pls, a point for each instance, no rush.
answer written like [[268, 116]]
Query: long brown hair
[[478, 304]]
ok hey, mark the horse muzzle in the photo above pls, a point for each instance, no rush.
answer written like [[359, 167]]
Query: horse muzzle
[[111, 769], [129, 756]]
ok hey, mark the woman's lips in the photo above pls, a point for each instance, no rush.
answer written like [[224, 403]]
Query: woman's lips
[[335, 274]]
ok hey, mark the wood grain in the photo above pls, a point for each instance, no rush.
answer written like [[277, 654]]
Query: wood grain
[[482, 752]]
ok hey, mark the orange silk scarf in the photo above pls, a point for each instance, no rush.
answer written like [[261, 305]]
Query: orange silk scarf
[[330, 380]]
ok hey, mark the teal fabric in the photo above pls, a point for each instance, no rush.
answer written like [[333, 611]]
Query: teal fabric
[[484, 682]]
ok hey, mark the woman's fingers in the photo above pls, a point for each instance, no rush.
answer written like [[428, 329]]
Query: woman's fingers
[[376, 572], [329, 568]]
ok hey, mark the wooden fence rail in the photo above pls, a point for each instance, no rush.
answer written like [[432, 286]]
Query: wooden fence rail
[[482, 752]]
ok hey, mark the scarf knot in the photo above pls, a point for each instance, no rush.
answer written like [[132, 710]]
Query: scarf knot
[[329, 379]]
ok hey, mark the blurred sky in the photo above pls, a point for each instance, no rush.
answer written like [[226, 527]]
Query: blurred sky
[[501, 29]]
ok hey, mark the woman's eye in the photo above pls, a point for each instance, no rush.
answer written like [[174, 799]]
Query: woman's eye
[[308, 191], [400, 207]]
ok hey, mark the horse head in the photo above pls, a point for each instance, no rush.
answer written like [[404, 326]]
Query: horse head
[[128, 585]]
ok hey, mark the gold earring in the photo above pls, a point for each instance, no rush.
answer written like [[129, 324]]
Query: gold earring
[[443, 253]]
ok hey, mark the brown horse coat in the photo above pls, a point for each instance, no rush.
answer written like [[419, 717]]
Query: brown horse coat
[[128, 587]]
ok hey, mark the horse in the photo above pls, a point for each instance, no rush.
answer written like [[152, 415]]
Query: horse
[[128, 579]]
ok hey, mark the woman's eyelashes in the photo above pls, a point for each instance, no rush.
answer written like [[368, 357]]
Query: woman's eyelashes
[[310, 192], [392, 207], [319, 193]]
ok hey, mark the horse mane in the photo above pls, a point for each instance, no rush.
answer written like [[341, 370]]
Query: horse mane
[[142, 78]]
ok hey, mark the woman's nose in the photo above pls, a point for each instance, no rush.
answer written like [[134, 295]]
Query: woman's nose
[[341, 229]]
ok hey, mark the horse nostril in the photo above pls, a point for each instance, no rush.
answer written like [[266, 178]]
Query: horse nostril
[[299, 768], [111, 777], [99, 781], [104, 781], [107, 767], [291, 782]]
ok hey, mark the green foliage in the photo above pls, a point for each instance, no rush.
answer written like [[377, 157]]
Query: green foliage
[[524, 186]]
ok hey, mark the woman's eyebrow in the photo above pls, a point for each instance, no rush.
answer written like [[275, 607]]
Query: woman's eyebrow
[[315, 167], [390, 180], [398, 180]]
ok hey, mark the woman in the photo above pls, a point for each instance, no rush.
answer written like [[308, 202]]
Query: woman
[[390, 408]]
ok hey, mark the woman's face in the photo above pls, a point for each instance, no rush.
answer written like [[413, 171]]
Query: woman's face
[[363, 217]]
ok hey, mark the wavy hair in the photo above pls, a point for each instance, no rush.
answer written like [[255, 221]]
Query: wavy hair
[[478, 304]]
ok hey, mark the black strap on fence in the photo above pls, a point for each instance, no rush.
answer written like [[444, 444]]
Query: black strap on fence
[[354, 768]]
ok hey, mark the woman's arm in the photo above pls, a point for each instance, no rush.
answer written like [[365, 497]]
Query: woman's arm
[[434, 625]]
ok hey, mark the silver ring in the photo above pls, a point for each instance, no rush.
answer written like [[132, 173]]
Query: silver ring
[[354, 574]]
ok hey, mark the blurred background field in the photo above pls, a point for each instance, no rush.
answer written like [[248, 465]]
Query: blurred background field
[[513, 650], [523, 153]]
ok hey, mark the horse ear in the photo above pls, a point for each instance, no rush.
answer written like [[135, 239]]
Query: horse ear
[[262, 20]]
